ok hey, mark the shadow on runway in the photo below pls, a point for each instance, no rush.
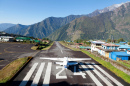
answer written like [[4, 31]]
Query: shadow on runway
[[1, 59], [29, 83]]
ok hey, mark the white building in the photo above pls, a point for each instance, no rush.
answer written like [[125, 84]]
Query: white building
[[6, 38], [95, 45]]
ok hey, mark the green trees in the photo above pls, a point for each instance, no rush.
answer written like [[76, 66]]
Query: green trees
[[116, 41]]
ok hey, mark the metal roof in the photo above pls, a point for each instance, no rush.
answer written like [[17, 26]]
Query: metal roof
[[124, 47], [98, 42], [110, 44], [6, 37], [24, 38], [121, 53], [85, 47]]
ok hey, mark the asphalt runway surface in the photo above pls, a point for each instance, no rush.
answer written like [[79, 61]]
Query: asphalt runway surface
[[41, 72], [12, 51]]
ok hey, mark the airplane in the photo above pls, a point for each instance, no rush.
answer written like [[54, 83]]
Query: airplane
[[66, 62]]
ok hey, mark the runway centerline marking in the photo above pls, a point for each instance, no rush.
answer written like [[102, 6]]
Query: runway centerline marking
[[61, 51], [29, 74], [57, 44], [38, 75], [109, 76], [91, 75], [47, 75]]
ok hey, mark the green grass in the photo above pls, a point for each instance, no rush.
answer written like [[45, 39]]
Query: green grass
[[42, 47], [8, 71], [109, 66], [34, 47], [48, 47], [125, 64], [68, 46]]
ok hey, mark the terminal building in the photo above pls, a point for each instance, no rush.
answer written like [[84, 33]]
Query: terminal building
[[6, 39]]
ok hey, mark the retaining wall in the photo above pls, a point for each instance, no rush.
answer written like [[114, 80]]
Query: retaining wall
[[114, 63]]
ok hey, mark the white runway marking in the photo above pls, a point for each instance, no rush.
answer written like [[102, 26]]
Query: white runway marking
[[38, 75], [102, 77], [79, 73], [58, 76], [29, 74], [91, 76], [47, 75], [109, 76], [61, 51], [58, 45]]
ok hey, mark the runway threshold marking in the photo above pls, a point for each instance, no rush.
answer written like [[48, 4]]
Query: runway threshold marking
[[38, 75], [29, 74], [109, 76], [47, 75], [91, 75], [100, 75]]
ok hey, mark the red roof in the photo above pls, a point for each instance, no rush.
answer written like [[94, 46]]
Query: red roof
[[109, 44]]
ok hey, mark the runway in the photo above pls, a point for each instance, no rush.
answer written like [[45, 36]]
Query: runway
[[41, 72]]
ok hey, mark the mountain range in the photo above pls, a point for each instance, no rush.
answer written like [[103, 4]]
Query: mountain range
[[4, 26], [100, 24], [114, 23]]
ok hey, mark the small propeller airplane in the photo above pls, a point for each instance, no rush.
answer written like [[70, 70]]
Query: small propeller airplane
[[66, 62]]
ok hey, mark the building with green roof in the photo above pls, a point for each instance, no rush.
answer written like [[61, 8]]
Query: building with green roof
[[22, 38]]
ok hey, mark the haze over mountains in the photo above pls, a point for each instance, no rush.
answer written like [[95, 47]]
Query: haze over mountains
[[100, 24], [4, 26]]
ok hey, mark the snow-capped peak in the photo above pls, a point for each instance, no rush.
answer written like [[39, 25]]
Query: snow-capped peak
[[111, 8]]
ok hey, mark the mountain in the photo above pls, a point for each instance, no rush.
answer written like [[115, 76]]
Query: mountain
[[4, 26], [114, 23], [47, 26], [107, 9], [17, 29]]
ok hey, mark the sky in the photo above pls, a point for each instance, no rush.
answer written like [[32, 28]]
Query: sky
[[28, 12]]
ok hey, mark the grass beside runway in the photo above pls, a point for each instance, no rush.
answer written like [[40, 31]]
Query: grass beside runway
[[68, 46], [48, 47], [8, 71], [43, 47], [108, 65]]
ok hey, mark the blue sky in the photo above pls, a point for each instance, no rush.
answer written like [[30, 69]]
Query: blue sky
[[28, 12]]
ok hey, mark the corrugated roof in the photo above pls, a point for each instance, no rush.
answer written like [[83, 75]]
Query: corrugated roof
[[121, 53], [98, 42], [85, 47], [6, 37], [124, 46], [24, 38], [109, 44]]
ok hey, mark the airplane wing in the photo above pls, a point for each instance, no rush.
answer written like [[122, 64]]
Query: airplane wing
[[58, 59], [78, 59], [60, 63]]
